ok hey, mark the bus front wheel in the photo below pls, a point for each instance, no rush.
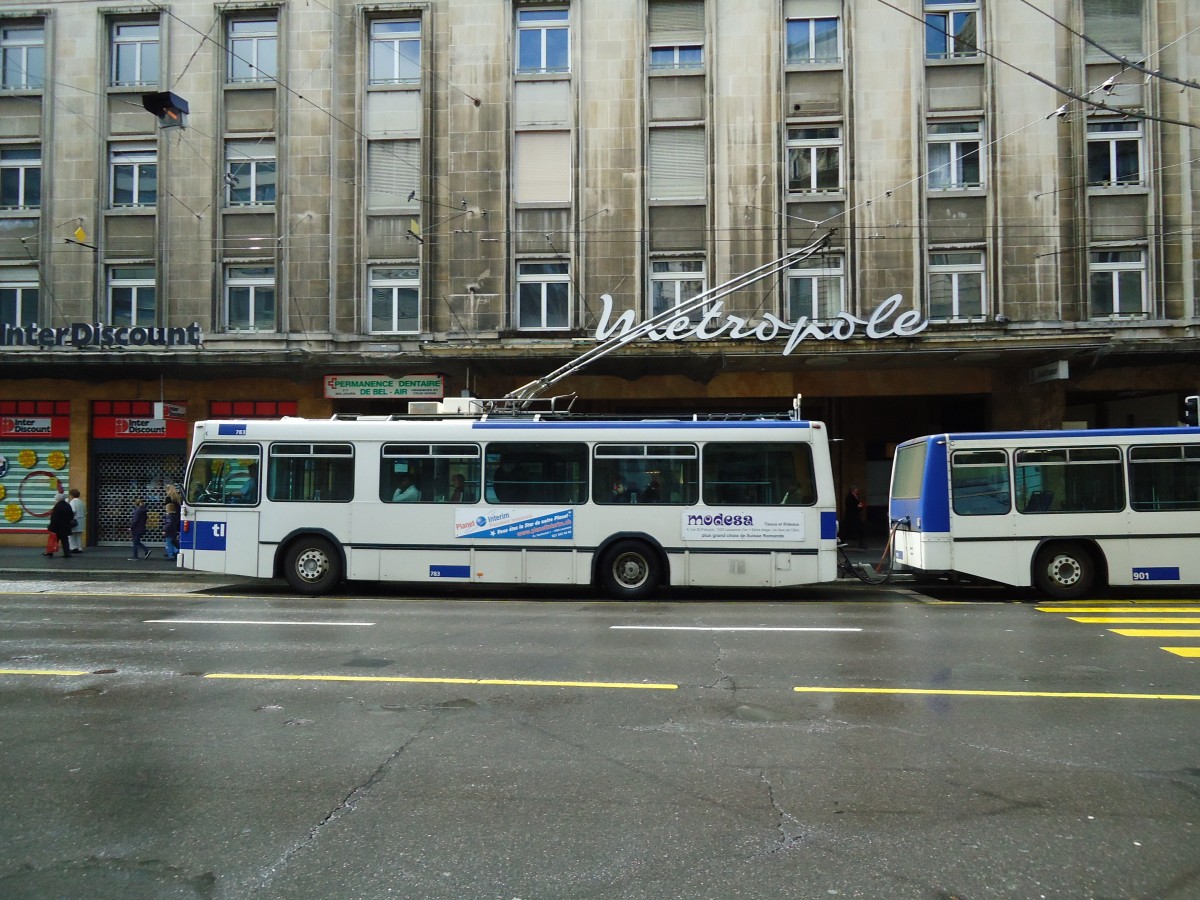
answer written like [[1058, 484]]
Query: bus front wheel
[[312, 566], [1064, 571], [630, 571]]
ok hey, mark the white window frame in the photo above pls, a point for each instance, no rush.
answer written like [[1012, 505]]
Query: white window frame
[[22, 284], [807, 26], [259, 282], [24, 173], [802, 143], [951, 12], [22, 57], [680, 57], [392, 281], [392, 42], [538, 19], [825, 276], [252, 41], [141, 44], [1111, 276], [544, 282], [955, 274], [1126, 131], [253, 159], [670, 284], [140, 285], [141, 161], [950, 176]]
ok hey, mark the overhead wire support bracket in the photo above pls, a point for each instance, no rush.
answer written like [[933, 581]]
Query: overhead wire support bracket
[[521, 398]]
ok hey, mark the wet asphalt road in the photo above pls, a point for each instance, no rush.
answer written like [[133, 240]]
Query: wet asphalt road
[[256, 745]]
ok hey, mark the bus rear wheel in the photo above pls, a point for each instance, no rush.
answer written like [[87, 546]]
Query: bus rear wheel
[[312, 566], [630, 571], [1064, 571]]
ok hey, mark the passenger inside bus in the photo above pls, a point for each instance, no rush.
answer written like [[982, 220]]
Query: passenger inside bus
[[406, 490], [652, 493]]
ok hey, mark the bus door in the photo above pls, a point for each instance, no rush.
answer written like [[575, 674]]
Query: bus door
[[220, 527], [982, 522]]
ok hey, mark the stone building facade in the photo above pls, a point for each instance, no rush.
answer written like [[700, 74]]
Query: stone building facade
[[374, 202]]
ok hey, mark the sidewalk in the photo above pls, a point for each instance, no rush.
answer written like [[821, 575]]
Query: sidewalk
[[94, 562]]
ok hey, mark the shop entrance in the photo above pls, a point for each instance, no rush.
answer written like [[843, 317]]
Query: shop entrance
[[121, 475]]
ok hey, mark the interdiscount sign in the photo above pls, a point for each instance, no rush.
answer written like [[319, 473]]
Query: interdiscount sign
[[409, 387]]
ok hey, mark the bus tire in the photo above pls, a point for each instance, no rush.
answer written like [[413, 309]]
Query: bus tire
[[630, 570], [312, 566], [1064, 571]]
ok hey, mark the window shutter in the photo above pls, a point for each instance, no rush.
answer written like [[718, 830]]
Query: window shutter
[[1114, 24], [676, 20], [677, 164], [542, 167], [393, 172]]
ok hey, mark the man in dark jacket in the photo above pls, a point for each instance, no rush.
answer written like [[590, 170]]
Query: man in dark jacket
[[62, 518]]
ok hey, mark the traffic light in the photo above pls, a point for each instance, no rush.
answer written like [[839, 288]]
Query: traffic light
[[171, 109], [1191, 410]]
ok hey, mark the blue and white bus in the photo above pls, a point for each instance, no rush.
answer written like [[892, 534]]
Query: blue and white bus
[[627, 505], [1064, 511]]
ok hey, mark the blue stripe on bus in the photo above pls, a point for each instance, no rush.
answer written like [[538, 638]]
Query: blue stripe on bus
[[1066, 435], [828, 525], [1155, 573], [635, 425], [931, 511], [235, 428], [449, 571]]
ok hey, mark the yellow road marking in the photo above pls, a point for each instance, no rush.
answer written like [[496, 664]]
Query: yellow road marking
[[64, 672], [941, 692], [1188, 652], [1157, 632], [481, 681], [1115, 610], [1138, 620]]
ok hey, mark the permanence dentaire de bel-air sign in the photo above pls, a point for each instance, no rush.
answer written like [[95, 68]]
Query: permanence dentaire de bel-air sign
[[714, 322]]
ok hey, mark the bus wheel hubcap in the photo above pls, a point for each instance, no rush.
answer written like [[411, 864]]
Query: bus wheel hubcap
[[312, 565], [630, 570], [1064, 570]]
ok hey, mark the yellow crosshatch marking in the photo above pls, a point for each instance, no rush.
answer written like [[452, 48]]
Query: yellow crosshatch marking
[[1119, 610], [945, 692], [1157, 632], [1186, 652], [1138, 620], [400, 679]]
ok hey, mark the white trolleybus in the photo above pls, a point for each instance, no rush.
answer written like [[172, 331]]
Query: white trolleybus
[[1064, 511], [463, 496]]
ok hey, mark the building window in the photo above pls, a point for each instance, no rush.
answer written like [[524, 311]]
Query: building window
[[951, 29], [680, 56], [1115, 25], [395, 299], [541, 169], [674, 281], [814, 158], [393, 174], [956, 279], [955, 155], [250, 298], [250, 173], [1114, 153], [133, 175], [1117, 283], [134, 53], [18, 297], [395, 51], [815, 289], [131, 295], [22, 57], [813, 41], [253, 50], [543, 41], [20, 178], [543, 296], [677, 167]]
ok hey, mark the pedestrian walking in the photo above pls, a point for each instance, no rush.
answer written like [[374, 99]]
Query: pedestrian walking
[[80, 512], [60, 523], [137, 527], [171, 530], [854, 514]]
